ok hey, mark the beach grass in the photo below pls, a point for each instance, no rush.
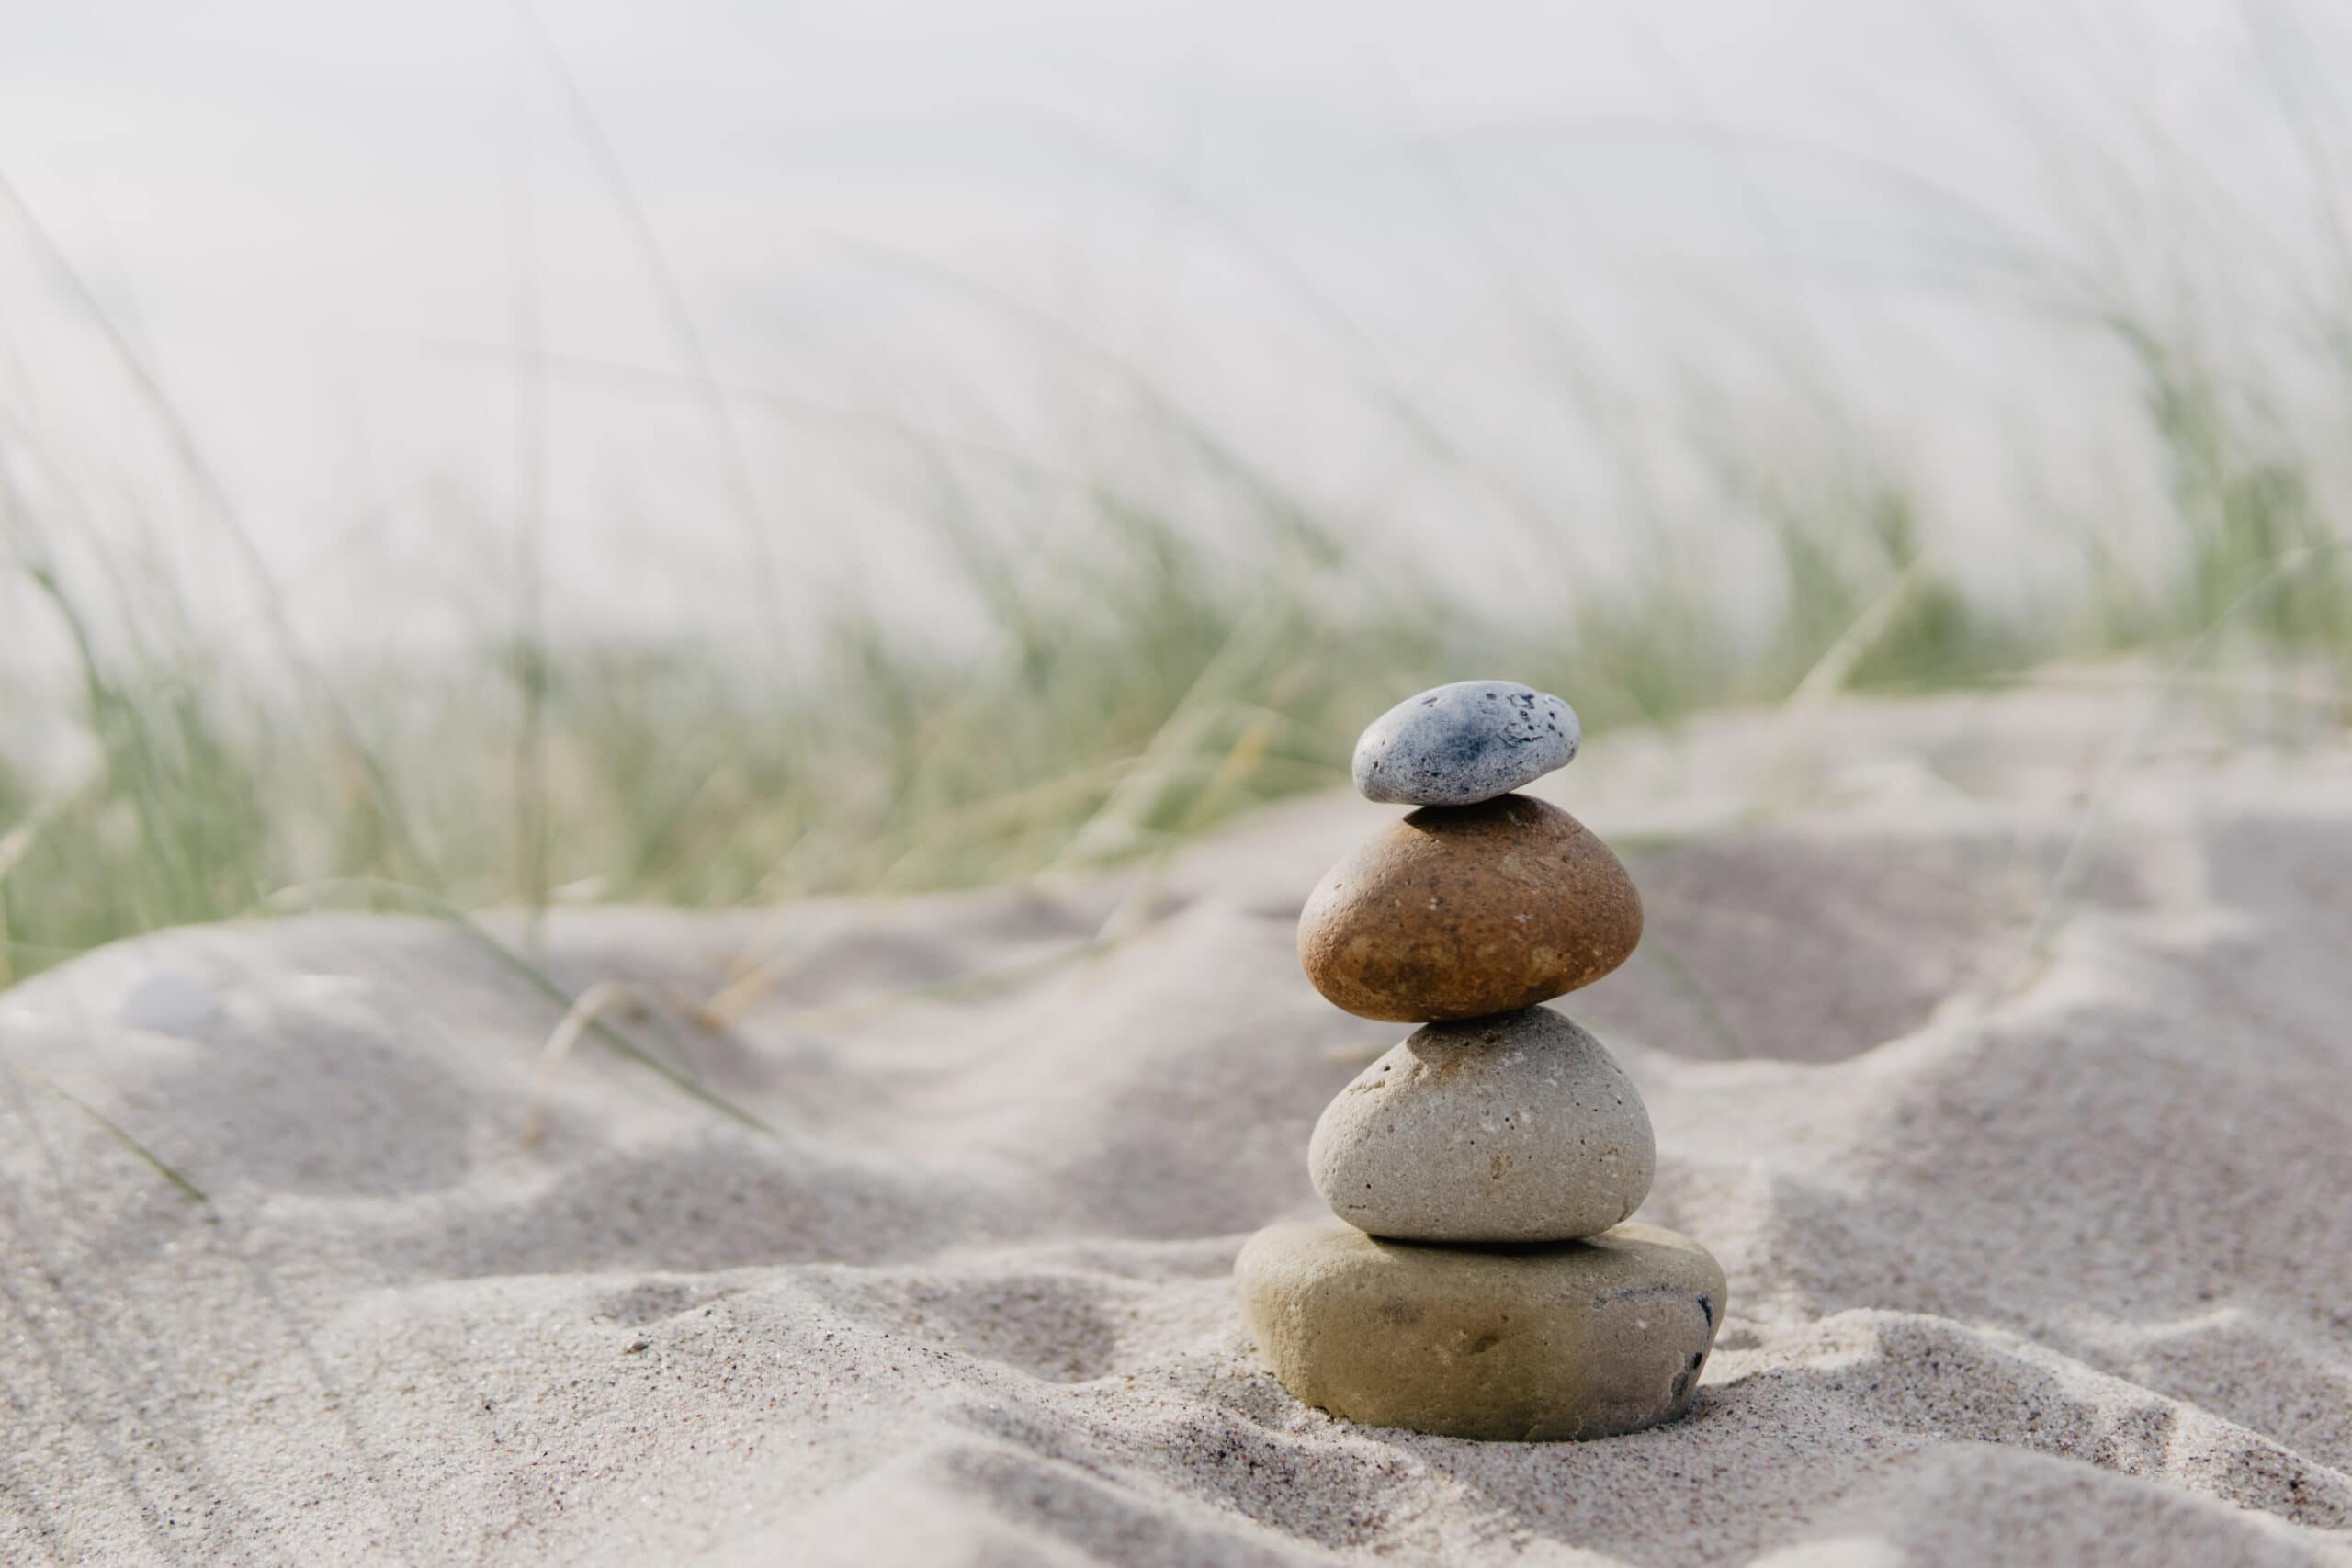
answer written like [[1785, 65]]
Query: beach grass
[[1190, 639], [1137, 697]]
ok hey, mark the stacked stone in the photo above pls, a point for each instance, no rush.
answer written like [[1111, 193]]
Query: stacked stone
[[1478, 1278]]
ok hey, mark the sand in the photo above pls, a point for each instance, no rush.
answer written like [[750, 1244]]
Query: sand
[[2038, 1216]]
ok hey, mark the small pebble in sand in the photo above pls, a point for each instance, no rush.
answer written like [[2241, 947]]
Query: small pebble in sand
[[1461, 744], [1516, 1128], [1574, 1339], [1460, 911]]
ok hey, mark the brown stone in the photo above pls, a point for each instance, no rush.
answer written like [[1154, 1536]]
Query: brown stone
[[1458, 911], [1569, 1340]]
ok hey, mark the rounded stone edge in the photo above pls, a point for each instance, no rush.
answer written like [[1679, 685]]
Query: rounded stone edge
[[1382, 1006], [1385, 1402], [1375, 745], [1398, 1223]]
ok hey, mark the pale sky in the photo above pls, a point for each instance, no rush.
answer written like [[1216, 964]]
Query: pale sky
[[332, 229]]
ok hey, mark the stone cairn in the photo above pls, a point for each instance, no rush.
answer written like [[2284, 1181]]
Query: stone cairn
[[1477, 1277]]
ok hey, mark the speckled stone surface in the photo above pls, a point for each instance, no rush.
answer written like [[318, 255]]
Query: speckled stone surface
[[1461, 744], [1570, 1339], [1461, 911], [1515, 1128]]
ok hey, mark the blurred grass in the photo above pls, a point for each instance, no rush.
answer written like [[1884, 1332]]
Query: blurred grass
[[1137, 693], [1140, 675]]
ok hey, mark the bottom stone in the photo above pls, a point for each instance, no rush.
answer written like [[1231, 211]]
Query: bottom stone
[[1551, 1339]]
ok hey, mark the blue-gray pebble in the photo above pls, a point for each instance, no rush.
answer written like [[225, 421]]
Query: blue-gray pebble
[[1461, 744]]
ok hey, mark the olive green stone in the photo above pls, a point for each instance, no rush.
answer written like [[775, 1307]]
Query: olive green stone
[[1564, 1339]]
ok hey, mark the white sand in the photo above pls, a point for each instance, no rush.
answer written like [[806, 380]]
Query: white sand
[[2029, 1261]]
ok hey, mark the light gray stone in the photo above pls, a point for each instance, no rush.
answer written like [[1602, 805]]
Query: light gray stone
[[1518, 1127], [1461, 744], [1573, 1339]]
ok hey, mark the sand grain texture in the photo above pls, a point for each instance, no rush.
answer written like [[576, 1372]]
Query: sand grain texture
[[2034, 1255]]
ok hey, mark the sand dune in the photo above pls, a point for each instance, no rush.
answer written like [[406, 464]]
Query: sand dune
[[2037, 1215]]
